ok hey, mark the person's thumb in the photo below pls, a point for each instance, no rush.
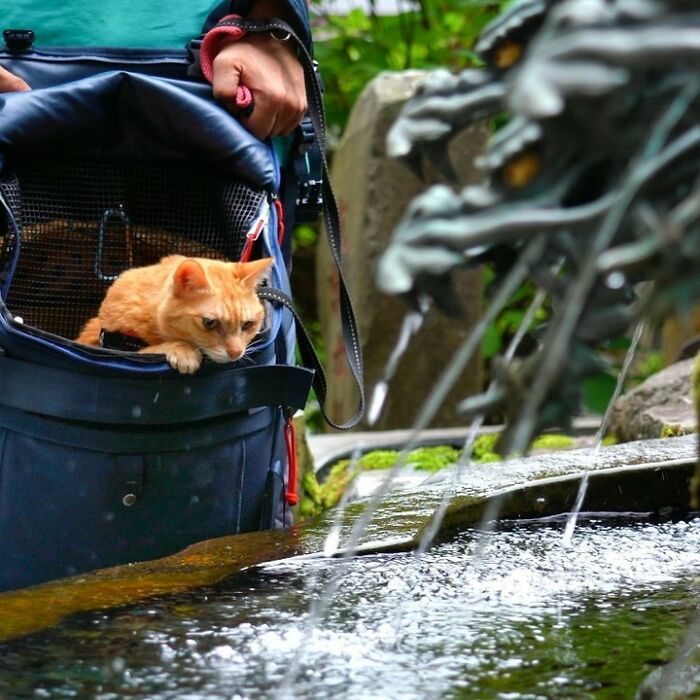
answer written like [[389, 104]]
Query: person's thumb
[[11, 83]]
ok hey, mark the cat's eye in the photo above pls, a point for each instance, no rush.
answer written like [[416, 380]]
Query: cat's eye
[[247, 326], [210, 323]]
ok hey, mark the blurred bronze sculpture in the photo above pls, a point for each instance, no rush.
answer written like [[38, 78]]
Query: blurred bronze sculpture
[[591, 187]]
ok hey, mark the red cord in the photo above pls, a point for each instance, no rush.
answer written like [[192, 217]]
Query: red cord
[[280, 221], [290, 439]]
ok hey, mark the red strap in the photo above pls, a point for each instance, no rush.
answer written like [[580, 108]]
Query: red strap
[[290, 439], [215, 40], [280, 221]]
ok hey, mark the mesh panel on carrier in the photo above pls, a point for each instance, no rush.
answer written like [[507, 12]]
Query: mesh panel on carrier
[[83, 221]]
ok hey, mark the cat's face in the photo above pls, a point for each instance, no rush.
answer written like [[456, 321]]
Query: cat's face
[[213, 306]]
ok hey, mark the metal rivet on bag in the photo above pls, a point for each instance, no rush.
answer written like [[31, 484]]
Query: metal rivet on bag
[[129, 500]]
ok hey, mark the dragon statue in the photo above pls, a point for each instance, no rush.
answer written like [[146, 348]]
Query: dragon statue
[[591, 189]]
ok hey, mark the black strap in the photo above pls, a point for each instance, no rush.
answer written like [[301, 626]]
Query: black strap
[[351, 338], [310, 359]]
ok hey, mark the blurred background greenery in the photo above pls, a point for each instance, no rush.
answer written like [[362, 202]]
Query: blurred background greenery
[[355, 40]]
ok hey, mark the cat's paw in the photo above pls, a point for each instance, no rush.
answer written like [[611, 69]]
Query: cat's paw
[[180, 356], [184, 358]]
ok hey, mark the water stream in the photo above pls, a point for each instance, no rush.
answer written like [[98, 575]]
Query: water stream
[[532, 620], [602, 430]]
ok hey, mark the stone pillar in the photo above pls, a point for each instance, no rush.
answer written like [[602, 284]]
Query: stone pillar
[[373, 191]]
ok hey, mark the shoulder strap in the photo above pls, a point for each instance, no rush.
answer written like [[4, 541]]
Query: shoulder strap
[[311, 361], [351, 339]]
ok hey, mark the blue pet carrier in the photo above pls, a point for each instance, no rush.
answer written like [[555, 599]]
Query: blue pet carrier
[[113, 160]]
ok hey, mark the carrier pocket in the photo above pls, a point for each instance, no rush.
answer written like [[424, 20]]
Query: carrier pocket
[[75, 497]]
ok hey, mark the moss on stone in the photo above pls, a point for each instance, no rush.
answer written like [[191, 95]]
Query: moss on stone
[[316, 498], [553, 441], [432, 459], [670, 431]]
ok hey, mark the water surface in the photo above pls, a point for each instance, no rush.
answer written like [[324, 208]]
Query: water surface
[[526, 618]]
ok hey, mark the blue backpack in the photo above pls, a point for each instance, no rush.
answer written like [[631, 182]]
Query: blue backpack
[[115, 159]]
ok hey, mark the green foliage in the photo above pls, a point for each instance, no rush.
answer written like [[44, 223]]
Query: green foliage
[[500, 332], [305, 236], [353, 49], [597, 392]]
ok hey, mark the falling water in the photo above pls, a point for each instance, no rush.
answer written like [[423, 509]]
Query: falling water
[[466, 454], [512, 281], [600, 434], [532, 252], [410, 326]]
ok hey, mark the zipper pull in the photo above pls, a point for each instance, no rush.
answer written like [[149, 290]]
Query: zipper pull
[[255, 230]]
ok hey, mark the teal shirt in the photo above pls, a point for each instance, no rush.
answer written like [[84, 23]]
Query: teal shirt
[[130, 23]]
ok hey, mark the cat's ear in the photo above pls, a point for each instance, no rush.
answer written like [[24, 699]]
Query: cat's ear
[[189, 278], [251, 273]]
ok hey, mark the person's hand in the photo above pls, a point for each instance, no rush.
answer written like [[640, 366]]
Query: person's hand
[[271, 71], [11, 83]]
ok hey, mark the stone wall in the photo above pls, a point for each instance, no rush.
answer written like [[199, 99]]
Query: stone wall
[[373, 192]]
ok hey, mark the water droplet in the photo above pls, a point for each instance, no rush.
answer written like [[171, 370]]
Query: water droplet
[[118, 664], [136, 411], [330, 546], [377, 402], [615, 280]]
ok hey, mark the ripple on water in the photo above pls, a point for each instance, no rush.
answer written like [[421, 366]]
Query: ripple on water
[[527, 618]]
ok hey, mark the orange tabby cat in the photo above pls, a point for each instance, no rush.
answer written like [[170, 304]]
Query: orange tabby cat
[[184, 308]]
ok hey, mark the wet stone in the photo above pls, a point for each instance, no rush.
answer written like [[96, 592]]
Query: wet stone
[[662, 406]]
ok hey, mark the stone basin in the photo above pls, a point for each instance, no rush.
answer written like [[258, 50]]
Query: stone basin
[[648, 477]]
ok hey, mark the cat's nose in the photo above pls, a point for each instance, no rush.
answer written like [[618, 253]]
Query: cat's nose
[[235, 352]]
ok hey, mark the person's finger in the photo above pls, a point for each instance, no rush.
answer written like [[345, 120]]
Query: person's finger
[[261, 121], [226, 78], [12, 83], [294, 115]]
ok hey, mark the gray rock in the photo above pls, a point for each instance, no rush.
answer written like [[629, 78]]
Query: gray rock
[[373, 191], [660, 406]]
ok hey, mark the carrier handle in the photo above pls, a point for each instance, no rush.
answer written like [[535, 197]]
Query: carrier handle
[[351, 338]]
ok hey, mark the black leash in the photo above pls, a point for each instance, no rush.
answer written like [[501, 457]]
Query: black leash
[[310, 359]]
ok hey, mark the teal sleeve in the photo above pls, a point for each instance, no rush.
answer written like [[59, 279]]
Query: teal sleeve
[[128, 23]]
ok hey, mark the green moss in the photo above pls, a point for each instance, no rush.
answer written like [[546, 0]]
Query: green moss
[[432, 459], [311, 502], [379, 459], [484, 448], [670, 431], [316, 498], [552, 442]]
